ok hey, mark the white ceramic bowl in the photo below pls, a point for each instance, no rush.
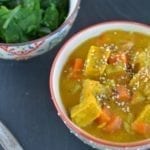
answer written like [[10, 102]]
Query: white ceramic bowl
[[39, 46], [56, 70]]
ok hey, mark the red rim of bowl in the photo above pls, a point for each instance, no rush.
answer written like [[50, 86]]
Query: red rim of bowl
[[66, 119], [54, 32]]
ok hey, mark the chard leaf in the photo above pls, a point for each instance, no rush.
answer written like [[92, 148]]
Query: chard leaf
[[10, 3], [12, 33], [31, 4], [29, 17], [11, 16], [22, 20], [51, 17], [63, 6]]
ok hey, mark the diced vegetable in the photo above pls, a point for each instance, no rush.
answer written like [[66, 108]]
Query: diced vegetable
[[86, 112], [141, 127], [123, 93], [78, 65], [104, 117], [114, 125], [91, 87], [115, 71], [77, 68], [141, 82], [108, 121], [88, 109], [142, 59], [88, 101], [96, 62]]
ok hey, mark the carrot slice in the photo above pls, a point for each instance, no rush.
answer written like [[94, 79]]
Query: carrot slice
[[141, 127], [78, 65], [109, 122], [77, 68], [114, 125], [123, 93], [105, 116], [118, 58]]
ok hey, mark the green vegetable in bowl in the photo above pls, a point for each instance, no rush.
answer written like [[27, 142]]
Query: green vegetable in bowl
[[51, 17], [24, 20]]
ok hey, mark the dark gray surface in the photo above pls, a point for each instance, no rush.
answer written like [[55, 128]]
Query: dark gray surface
[[26, 107]]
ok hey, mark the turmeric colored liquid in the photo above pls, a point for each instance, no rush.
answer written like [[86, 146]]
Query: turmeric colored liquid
[[71, 89]]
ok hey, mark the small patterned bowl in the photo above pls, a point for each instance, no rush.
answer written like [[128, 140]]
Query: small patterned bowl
[[26, 50], [56, 70]]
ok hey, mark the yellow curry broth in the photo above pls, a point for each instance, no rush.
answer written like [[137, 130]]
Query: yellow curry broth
[[71, 88]]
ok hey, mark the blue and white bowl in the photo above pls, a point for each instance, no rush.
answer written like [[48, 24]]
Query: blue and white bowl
[[26, 50]]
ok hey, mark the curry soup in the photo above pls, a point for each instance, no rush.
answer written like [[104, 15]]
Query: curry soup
[[105, 86]]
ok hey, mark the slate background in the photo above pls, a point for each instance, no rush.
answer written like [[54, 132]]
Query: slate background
[[26, 107]]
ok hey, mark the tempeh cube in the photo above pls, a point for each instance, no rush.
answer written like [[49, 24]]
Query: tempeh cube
[[142, 59], [89, 108], [115, 71], [90, 87], [141, 82], [96, 62], [86, 112]]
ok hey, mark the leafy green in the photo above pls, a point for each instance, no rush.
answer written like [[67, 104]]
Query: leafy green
[[29, 17], [11, 16], [62, 6], [9, 30], [10, 3], [23, 20], [51, 17]]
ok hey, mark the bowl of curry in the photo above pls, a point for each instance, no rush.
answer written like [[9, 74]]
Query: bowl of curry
[[100, 85]]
